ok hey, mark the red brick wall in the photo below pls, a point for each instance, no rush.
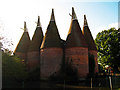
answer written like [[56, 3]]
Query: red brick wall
[[79, 57], [50, 61], [33, 60], [93, 52]]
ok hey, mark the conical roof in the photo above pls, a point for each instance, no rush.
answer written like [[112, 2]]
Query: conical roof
[[88, 36], [37, 38], [75, 37], [24, 41], [52, 37]]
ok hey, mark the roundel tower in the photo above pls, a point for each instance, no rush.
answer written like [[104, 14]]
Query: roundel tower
[[51, 52], [23, 45], [90, 41], [34, 48], [76, 50]]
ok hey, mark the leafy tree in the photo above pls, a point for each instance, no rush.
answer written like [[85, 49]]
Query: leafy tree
[[5, 43], [12, 68], [108, 48]]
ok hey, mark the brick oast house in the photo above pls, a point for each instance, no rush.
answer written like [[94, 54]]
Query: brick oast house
[[76, 49], [51, 52], [34, 48], [92, 50], [23, 45], [48, 52]]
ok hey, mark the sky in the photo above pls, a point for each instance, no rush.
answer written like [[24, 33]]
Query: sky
[[101, 15]]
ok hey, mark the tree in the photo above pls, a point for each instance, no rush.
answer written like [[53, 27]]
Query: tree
[[13, 70], [5, 42], [107, 44]]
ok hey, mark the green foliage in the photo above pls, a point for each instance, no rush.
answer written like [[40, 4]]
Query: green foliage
[[12, 68], [108, 47], [100, 68]]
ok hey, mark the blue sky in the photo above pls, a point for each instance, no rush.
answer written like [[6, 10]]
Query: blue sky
[[100, 15]]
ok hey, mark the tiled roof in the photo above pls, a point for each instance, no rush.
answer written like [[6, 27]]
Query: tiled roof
[[37, 38], [75, 37], [52, 37], [24, 41], [88, 36]]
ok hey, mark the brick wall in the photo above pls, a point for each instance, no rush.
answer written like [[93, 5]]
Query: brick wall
[[78, 56], [93, 52], [33, 60], [50, 61]]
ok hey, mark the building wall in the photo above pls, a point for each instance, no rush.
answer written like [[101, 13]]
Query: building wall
[[21, 55], [93, 52], [33, 60], [50, 61], [78, 56]]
